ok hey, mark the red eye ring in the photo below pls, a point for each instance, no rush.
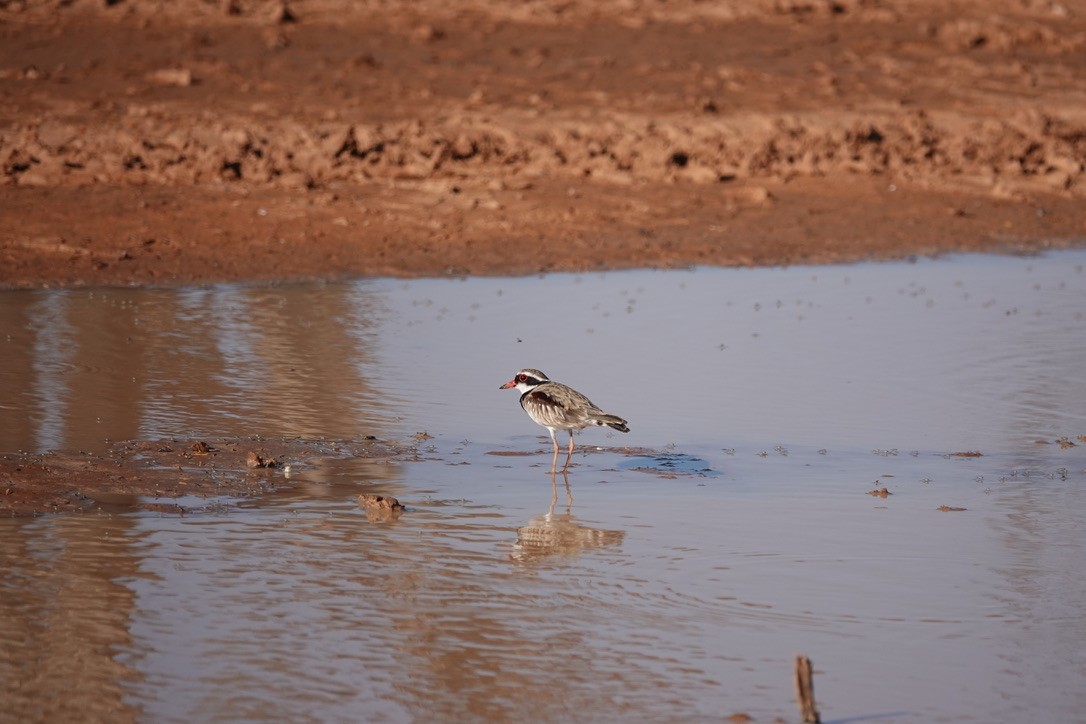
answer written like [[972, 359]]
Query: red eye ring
[[522, 377]]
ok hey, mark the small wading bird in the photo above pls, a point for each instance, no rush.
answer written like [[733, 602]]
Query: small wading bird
[[558, 407]]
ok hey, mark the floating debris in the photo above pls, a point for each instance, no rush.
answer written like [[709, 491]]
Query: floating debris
[[255, 460], [372, 501]]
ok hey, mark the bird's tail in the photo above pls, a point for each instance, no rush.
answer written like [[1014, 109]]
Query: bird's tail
[[612, 421]]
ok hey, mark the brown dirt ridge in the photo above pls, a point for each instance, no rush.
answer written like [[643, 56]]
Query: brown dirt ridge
[[181, 141]]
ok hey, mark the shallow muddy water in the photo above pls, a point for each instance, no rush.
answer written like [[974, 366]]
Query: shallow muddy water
[[670, 582]]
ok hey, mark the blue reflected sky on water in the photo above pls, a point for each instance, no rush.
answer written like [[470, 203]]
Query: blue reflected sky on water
[[942, 354]]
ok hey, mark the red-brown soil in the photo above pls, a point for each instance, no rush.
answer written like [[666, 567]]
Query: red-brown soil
[[170, 141]]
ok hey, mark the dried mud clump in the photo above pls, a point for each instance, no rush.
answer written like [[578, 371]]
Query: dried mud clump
[[380, 508], [254, 460], [379, 502]]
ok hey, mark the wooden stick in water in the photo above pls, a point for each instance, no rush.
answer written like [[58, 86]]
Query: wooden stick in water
[[805, 691]]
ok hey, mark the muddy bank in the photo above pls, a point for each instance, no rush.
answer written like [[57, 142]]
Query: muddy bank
[[190, 141], [179, 476], [155, 474]]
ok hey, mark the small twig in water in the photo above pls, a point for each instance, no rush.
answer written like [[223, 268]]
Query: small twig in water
[[805, 691]]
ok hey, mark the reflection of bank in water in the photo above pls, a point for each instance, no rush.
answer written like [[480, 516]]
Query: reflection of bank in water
[[560, 533]]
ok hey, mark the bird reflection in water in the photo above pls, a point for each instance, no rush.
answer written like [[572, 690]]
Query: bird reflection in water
[[560, 533]]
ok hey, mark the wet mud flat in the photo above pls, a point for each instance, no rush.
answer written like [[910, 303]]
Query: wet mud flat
[[153, 474], [168, 475]]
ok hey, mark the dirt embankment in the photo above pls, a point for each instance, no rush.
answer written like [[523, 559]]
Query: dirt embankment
[[166, 141]]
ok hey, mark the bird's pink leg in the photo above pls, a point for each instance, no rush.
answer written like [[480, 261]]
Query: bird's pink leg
[[554, 460], [570, 455]]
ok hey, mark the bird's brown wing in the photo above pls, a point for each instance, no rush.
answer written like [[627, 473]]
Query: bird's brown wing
[[539, 397], [562, 405]]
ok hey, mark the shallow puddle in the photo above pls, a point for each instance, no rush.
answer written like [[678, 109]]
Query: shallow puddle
[[800, 479]]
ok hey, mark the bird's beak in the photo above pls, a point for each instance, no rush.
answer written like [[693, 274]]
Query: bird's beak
[[507, 385]]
